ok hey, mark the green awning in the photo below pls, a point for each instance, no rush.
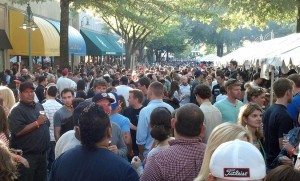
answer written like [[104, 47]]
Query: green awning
[[97, 44], [114, 42], [4, 42]]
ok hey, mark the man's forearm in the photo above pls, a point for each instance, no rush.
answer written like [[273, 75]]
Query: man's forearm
[[141, 151], [28, 128], [57, 133]]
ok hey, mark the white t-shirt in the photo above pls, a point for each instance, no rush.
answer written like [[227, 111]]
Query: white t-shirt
[[124, 91], [64, 82], [66, 142]]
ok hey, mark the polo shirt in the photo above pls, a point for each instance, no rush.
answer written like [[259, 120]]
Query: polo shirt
[[35, 142], [228, 110]]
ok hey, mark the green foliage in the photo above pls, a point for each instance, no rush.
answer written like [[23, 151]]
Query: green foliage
[[173, 40], [249, 13]]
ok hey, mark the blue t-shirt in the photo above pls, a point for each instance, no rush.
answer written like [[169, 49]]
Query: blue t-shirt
[[228, 110], [121, 121], [293, 108], [78, 164]]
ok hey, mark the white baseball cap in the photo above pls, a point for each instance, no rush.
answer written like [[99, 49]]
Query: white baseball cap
[[237, 160]]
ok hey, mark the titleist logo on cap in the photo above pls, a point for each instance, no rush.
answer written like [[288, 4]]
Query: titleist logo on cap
[[237, 172]]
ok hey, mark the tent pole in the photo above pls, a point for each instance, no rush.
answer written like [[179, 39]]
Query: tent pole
[[272, 83]]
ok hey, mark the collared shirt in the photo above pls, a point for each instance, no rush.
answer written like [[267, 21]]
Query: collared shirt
[[51, 106], [212, 118], [228, 110], [143, 136], [34, 142], [185, 91], [181, 161]]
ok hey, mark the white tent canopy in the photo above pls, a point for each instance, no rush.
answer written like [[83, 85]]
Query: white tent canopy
[[274, 52]]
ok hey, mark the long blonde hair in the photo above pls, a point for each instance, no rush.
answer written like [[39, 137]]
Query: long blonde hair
[[221, 134], [8, 97], [8, 167]]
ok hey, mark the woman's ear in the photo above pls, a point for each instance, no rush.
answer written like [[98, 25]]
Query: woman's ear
[[210, 177], [109, 132], [173, 122]]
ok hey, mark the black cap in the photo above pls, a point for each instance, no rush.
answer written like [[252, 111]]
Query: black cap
[[20, 79], [78, 110], [124, 80], [26, 85]]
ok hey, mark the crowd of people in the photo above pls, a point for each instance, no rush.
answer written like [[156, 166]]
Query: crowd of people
[[165, 122]]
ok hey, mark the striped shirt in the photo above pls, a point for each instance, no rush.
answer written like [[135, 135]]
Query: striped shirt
[[51, 106]]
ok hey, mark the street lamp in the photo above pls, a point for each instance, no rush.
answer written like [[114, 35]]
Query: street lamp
[[30, 26], [87, 21], [122, 41]]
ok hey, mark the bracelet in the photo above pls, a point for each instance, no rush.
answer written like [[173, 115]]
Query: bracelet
[[17, 158], [291, 152], [37, 124]]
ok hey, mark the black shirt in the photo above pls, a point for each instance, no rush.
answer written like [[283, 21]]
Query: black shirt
[[233, 74], [133, 116], [39, 91], [215, 91], [193, 97], [34, 142], [277, 121]]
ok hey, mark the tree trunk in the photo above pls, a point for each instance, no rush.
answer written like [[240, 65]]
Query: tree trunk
[[64, 41], [298, 17], [167, 59], [156, 56], [220, 49]]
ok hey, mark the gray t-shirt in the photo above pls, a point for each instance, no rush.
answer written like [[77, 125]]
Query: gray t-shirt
[[60, 115]]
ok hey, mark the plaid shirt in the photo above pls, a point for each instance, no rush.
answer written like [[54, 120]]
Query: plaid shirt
[[181, 161]]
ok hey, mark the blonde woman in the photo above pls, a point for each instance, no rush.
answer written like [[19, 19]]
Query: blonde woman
[[256, 95], [221, 134], [8, 167], [250, 117], [8, 98]]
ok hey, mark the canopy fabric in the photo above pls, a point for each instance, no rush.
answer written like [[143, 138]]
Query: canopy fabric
[[275, 52], [97, 44], [76, 42], [4, 42], [45, 40], [210, 58], [114, 42]]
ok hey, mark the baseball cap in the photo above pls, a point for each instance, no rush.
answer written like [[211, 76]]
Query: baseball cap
[[65, 72], [26, 85], [124, 80], [237, 160], [230, 82], [99, 96], [115, 97], [19, 80], [78, 110], [197, 73]]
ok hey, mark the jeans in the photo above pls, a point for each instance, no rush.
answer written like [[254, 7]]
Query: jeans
[[37, 170], [50, 155]]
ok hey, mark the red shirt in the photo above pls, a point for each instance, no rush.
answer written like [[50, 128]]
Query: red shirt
[[181, 161]]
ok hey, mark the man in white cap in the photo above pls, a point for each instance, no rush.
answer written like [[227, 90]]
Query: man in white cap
[[237, 160]]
